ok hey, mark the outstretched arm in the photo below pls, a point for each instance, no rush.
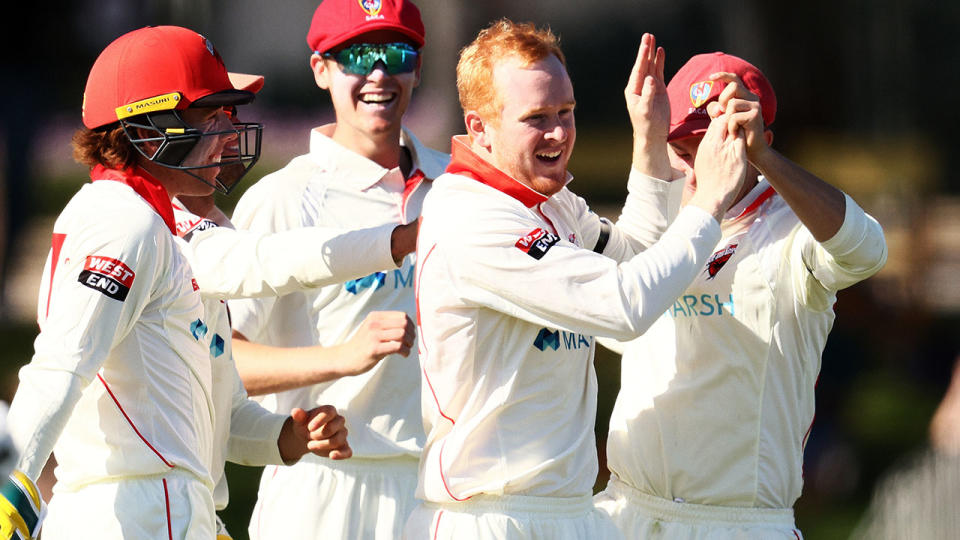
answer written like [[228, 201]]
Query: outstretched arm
[[382, 333]]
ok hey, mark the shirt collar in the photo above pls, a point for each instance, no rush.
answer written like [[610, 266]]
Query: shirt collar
[[361, 172], [753, 199], [465, 162], [145, 185]]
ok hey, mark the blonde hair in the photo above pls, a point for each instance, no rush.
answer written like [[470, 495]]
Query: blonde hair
[[503, 38]]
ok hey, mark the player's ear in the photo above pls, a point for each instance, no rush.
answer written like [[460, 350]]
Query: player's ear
[[477, 129], [768, 135], [416, 72], [321, 73]]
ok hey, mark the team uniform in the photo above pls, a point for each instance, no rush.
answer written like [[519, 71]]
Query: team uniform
[[233, 263], [120, 386], [372, 493], [510, 294], [707, 436]]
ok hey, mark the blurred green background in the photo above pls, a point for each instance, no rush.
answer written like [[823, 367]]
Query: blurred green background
[[865, 101]]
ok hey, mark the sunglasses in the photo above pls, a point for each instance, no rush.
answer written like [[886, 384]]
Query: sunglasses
[[360, 58]]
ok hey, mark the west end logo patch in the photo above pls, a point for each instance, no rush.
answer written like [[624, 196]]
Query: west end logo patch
[[108, 276], [537, 243], [700, 92], [370, 7], [718, 259]]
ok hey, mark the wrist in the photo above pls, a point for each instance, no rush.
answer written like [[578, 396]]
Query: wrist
[[291, 449]]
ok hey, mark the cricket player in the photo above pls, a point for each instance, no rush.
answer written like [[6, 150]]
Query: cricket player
[[285, 259], [515, 275], [363, 171], [707, 435], [121, 383]]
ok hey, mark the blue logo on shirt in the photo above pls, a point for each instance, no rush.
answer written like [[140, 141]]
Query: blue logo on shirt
[[546, 338], [375, 280], [551, 339], [216, 346], [198, 329], [705, 305]]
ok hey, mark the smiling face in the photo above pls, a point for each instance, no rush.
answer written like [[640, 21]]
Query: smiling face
[[367, 106], [532, 137], [209, 149]]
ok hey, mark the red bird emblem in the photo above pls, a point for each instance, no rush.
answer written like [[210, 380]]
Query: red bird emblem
[[718, 259]]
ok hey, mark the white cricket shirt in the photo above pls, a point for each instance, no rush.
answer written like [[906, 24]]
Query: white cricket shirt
[[717, 398], [332, 186], [121, 377], [510, 294]]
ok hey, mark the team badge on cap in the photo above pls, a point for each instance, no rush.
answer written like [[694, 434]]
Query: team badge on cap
[[370, 7], [700, 92]]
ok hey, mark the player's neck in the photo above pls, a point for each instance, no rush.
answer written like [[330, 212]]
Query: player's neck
[[383, 148]]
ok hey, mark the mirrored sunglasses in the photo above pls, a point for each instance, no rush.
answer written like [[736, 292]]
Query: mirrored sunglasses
[[360, 58]]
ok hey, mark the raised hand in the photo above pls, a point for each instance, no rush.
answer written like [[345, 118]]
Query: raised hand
[[649, 110], [720, 168], [742, 110], [382, 333]]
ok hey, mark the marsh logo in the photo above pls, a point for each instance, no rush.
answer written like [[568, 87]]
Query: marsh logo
[[546, 338], [554, 339], [199, 330]]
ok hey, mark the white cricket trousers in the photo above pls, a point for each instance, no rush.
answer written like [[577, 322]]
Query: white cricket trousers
[[511, 517], [351, 499], [645, 517], [172, 506]]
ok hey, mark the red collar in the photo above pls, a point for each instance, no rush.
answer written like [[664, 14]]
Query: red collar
[[767, 193], [145, 185], [465, 162]]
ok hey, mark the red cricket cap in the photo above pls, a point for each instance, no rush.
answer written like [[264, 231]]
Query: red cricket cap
[[336, 21], [691, 89], [157, 68]]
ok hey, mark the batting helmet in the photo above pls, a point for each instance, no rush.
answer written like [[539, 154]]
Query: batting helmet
[[145, 77]]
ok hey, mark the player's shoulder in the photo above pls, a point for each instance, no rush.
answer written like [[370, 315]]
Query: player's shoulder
[[277, 193], [458, 205], [112, 208]]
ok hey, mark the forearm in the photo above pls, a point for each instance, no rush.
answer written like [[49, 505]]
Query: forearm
[[266, 369], [819, 205], [650, 157], [242, 264], [44, 401]]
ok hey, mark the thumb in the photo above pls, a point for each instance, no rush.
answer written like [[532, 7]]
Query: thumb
[[299, 416], [714, 109]]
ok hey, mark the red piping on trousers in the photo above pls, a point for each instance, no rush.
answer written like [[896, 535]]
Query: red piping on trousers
[[436, 530], [166, 500], [137, 431]]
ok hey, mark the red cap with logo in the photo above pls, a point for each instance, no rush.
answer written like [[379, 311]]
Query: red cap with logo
[[336, 21], [691, 89], [157, 68]]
